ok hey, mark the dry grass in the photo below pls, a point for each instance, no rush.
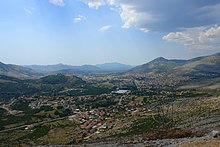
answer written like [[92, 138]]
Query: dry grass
[[196, 109], [203, 143], [61, 135], [173, 133]]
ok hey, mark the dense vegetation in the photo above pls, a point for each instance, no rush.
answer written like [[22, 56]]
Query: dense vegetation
[[13, 87]]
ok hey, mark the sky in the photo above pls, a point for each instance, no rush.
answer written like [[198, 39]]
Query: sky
[[78, 32]]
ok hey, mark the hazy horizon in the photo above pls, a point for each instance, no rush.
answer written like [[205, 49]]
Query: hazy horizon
[[107, 62], [82, 32]]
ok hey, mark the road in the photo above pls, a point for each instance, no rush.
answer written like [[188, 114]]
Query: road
[[34, 124]]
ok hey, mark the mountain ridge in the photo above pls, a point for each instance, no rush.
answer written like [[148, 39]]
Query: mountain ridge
[[203, 65], [114, 66], [17, 71], [83, 69], [199, 65]]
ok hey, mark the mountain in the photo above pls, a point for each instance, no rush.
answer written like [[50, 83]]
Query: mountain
[[60, 67], [49, 68], [17, 71], [65, 69], [158, 65], [84, 69], [114, 66], [200, 65]]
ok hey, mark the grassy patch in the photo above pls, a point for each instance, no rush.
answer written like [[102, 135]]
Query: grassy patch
[[37, 133], [143, 125]]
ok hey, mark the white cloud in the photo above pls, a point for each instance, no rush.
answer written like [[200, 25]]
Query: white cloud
[[111, 2], [28, 11], [79, 18], [128, 11], [57, 2], [179, 37], [131, 17], [211, 35], [94, 3], [145, 30], [202, 38], [105, 28]]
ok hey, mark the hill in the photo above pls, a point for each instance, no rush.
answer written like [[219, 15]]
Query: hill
[[200, 65], [17, 71], [61, 79], [14, 87]]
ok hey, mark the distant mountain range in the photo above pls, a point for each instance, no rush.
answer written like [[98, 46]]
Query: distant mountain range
[[114, 67], [201, 65], [84, 69]]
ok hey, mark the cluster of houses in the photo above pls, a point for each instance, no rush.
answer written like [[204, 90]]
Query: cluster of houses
[[94, 122], [158, 81]]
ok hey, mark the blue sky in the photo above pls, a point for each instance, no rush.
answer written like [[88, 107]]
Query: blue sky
[[133, 32]]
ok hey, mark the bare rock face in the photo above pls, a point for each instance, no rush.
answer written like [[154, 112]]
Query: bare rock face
[[213, 134]]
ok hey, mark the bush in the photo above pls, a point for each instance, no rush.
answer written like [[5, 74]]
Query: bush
[[46, 108], [2, 111]]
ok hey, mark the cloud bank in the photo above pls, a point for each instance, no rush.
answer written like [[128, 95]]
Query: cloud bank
[[197, 38], [194, 24], [163, 15]]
